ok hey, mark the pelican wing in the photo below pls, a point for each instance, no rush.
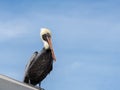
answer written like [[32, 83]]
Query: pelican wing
[[29, 65]]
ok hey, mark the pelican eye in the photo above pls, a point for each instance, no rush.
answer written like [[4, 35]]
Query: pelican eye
[[45, 36]]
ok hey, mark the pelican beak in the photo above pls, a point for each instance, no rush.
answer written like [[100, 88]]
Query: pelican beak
[[50, 44]]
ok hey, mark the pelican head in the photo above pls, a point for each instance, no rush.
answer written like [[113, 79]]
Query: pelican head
[[45, 35]]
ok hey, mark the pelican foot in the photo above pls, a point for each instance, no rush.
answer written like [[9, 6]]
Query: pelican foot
[[42, 89]]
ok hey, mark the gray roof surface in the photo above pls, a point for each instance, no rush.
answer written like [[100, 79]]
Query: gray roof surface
[[7, 83]]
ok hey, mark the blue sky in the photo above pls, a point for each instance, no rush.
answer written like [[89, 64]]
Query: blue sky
[[86, 39]]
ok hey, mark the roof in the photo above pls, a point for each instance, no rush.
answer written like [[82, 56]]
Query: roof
[[7, 83]]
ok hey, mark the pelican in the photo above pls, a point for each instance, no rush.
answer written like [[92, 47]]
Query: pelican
[[41, 63]]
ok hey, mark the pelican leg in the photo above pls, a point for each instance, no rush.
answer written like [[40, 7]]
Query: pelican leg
[[29, 81], [40, 87]]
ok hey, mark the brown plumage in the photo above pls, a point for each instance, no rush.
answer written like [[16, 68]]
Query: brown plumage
[[39, 67]]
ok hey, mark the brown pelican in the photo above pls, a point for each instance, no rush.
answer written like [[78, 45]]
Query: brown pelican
[[41, 63]]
